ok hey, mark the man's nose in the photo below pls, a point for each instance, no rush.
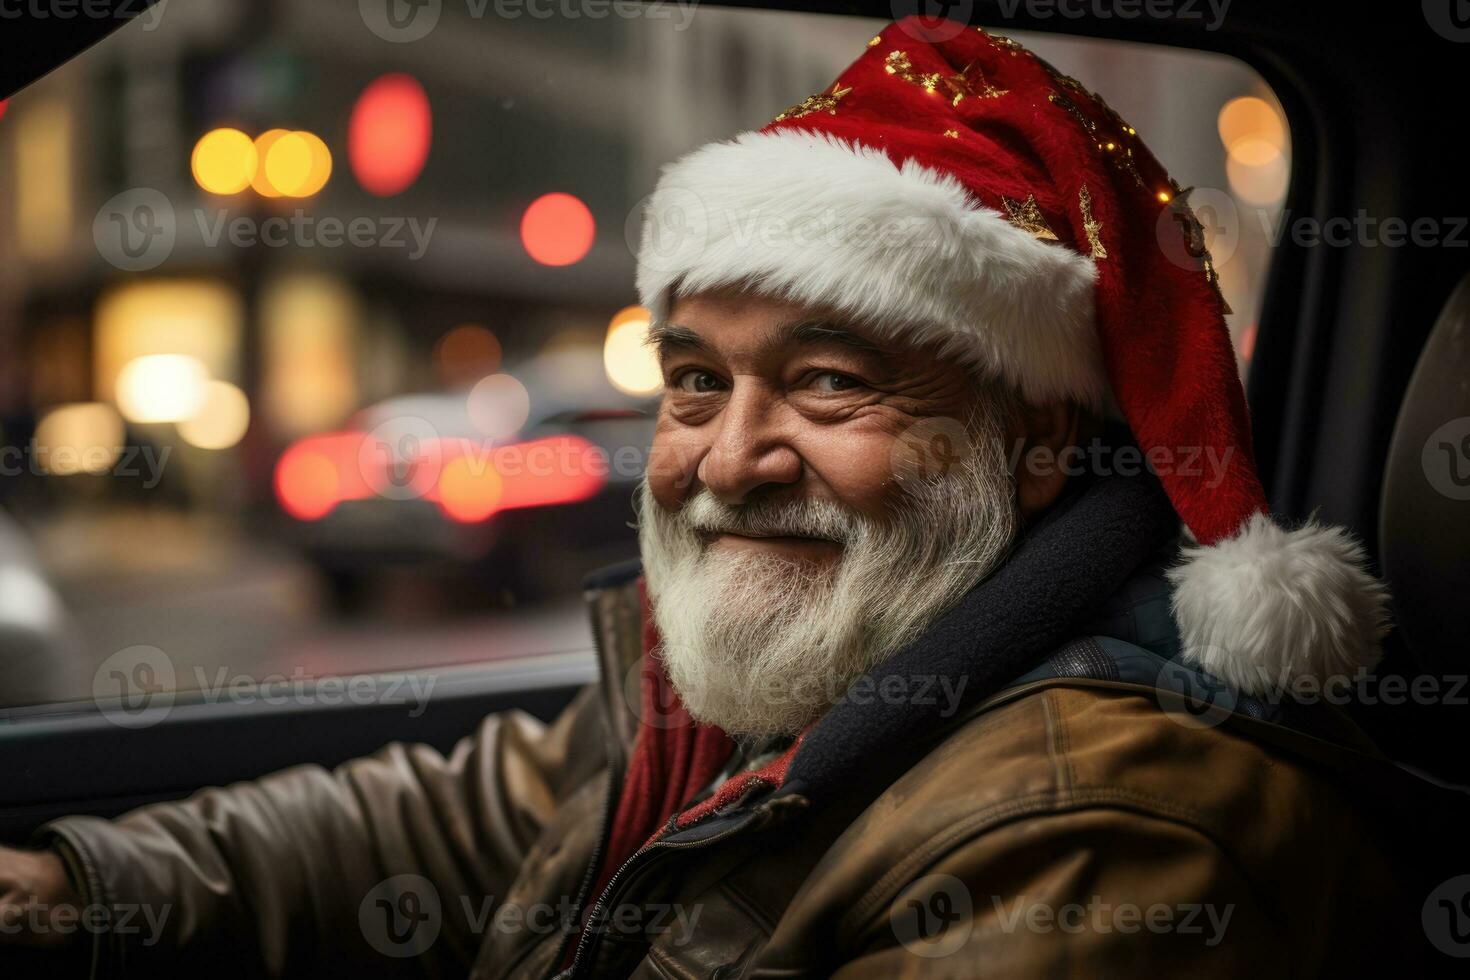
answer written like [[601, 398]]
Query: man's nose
[[749, 449]]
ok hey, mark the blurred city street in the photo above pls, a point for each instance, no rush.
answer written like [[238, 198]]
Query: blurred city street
[[225, 608]]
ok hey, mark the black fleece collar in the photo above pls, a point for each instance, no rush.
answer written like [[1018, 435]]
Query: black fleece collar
[[1061, 572]]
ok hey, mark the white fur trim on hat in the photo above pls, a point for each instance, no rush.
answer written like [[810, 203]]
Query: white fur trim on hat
[[902, 248], [1269, 606]]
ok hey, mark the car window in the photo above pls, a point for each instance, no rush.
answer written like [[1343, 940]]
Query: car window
[[318, 346]]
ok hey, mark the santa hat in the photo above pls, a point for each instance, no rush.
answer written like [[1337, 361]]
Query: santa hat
[[952, 187]]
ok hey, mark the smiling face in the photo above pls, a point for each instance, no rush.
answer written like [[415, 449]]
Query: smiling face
[[815, 497], [771, 400]]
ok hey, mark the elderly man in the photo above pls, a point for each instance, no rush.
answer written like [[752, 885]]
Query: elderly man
[[906, 683]]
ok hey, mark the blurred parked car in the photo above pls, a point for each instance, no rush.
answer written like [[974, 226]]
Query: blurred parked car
[[525, 480]]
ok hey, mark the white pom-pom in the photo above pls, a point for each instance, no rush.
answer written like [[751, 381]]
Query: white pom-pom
[[1269, 606]]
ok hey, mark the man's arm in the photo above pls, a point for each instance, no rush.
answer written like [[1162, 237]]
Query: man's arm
[[1102, 892], [269, 877]]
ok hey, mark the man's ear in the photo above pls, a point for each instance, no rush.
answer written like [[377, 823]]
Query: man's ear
[[1045, 433]]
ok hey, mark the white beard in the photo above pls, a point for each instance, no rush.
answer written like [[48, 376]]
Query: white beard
[[762, 645]]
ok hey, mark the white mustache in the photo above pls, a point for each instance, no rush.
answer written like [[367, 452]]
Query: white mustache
[[806, 518]]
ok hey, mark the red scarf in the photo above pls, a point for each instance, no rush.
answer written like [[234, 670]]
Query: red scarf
[[673, 759]]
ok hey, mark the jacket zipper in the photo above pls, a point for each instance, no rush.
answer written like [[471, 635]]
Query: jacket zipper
[[609, 801], [614, 792]]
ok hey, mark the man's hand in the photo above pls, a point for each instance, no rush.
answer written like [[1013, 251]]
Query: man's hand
[[34, 895]]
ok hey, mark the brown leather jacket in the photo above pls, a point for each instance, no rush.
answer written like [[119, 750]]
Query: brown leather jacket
[[1068, 826]]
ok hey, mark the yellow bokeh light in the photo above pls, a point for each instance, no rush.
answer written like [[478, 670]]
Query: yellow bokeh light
[[85, 437], [321, 165], [627, 313], [161, 388], [221, 420], [1253, 151], [288, 165], [1251, 126], [469, 488], [631, 365], [224, 161], [1265, 184], [263, 144]]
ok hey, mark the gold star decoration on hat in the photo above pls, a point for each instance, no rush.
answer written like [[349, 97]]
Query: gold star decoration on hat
[[1091, 225], [969, 81], [897, 63], [1115, 145], [1194, 239], [1004, 43], [1027, 216], [821, 102]]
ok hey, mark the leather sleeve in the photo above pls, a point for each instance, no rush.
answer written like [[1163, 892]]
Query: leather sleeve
[[1103, 892], [283, 876]]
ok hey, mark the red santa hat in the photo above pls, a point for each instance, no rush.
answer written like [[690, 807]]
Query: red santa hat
[[951, 187]]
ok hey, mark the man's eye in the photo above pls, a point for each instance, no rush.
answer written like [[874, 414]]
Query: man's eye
[[831, 381], [698, 382]]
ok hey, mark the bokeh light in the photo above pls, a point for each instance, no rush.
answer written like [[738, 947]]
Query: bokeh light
[[1246, 347], [288, 165], [4, 104], [389, 135], [306, 484], [466, 353], [161, 388], [1255, 138], [321, 165], [469, 488], [221, 420], [224, 161], [1264, 184], [263, 143], [498, 406], [1252, 130], [631, 365], [84, 437], [557, 229], [297, 164]]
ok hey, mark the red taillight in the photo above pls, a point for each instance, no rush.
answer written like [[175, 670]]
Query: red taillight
[[306, 484], [474, 484], [318, 473], [468, 482]]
